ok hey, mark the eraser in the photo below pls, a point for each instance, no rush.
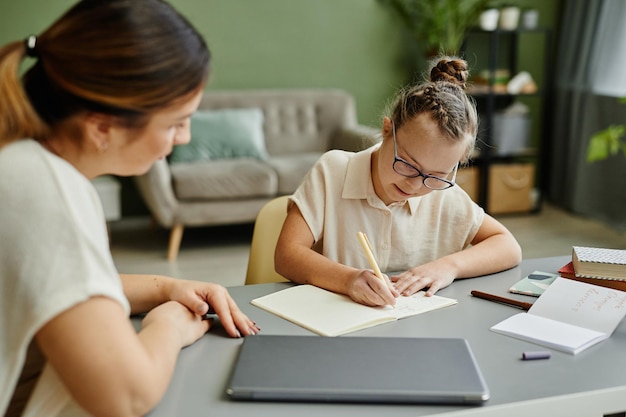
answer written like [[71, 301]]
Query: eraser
[[541, 354]]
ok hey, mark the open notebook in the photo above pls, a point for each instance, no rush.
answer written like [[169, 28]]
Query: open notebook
[[330, 314], [357, 369]]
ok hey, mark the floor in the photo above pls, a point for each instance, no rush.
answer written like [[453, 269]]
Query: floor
[[220, 254]]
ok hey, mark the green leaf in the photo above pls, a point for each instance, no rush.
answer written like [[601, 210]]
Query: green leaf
[[438, 25], [605, 143]]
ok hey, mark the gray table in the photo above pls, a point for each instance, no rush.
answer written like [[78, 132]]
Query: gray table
[[592, 383]]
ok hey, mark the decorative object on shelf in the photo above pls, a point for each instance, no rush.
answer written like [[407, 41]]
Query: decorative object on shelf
[[510, 188], [489, 19], [487, 81], [509, 17], [530, 19], [522, 83], [511, 129], [438, 26], [607, 142], [500, 82]]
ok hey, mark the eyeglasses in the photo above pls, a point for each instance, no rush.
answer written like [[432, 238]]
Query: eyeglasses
[[405, 169]]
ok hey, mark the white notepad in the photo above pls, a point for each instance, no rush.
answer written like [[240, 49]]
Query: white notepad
[[569, 316], [330, 314]]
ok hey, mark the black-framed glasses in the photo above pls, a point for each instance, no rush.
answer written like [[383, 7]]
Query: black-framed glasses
[[406, 169]]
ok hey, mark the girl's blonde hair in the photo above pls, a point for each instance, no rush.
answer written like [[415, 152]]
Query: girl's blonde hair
[[443, 97]]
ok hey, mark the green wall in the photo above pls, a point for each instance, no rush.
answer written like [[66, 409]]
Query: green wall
[[347, 44], [356, 45]]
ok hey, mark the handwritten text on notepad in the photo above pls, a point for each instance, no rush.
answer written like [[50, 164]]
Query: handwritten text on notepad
[[612, 299]]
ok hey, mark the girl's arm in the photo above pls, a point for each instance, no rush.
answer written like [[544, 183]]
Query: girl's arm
[[109, 369], [296, 261], [493, 249]]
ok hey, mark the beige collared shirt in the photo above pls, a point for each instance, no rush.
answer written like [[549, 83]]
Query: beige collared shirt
[[337, 200]]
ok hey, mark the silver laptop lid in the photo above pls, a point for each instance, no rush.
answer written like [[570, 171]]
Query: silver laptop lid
[[357, 369]]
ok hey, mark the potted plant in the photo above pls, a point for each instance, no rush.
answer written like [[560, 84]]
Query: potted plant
[[438, 26], [607, 142]]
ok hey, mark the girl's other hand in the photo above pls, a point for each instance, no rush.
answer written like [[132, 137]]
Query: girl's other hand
[[428, 277]]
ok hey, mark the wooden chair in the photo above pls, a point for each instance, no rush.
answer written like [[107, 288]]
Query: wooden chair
[[265, 234]]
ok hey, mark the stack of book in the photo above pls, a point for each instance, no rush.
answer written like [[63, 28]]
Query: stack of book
[[597, 266]]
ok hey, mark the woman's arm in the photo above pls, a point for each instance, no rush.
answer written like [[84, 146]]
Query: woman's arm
[[295, 260], [493, 249], [145, 292], [109, 369]]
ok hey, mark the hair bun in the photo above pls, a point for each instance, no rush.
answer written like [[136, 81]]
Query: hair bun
[[451, 70]]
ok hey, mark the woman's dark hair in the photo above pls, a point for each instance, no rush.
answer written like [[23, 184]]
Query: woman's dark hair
[[126, 58], [443, 97]]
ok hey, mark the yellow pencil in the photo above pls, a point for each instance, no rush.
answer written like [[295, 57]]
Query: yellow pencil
[[367, 248]]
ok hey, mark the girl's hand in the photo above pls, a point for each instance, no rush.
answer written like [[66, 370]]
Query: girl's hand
[[200, 296], [431, 276], [366, 288]]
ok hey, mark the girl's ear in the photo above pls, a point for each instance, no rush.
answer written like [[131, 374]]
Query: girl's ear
[[387, 128], [98, 130]]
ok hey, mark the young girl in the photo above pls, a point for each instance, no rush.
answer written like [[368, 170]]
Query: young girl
[[111, 89], [401, 194]]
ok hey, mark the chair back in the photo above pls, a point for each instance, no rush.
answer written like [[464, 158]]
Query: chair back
[[265, 234]]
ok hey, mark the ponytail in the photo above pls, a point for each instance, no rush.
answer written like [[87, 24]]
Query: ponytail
[[18, 119]]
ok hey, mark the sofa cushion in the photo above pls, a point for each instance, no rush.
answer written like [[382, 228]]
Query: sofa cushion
[[291, 169], [227, 178], [223, 134]]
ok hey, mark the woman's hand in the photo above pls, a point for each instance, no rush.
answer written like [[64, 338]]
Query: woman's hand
[[366, 288], [189, 325], [200, 296], [433, 276]]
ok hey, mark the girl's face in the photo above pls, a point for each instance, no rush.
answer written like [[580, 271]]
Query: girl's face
[[420, 143], [135, 151]]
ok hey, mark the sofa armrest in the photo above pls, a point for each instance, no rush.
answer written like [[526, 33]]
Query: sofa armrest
[[156, 189], [355, 138]]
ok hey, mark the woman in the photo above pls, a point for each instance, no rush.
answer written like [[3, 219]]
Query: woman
[[111, 90], [401, 194]]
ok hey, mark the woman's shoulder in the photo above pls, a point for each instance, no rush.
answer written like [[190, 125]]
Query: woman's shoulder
[[30, 176], [21, 148]]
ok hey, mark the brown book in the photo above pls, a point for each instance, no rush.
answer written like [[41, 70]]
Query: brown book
[[567, 271]]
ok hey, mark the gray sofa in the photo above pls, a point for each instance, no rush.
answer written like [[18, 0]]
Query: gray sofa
[[297, 127]]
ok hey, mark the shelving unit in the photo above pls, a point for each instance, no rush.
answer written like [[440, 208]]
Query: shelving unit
[[500, 50]]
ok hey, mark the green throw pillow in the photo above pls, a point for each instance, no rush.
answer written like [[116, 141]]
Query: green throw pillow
[[223, 134]]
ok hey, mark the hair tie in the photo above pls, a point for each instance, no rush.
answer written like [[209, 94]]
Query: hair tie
[[31, 46]]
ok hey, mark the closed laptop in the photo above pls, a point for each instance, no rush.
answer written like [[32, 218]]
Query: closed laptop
[[357, 369]]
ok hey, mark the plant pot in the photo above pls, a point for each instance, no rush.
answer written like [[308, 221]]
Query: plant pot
[[489, 19], [509, 18]]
